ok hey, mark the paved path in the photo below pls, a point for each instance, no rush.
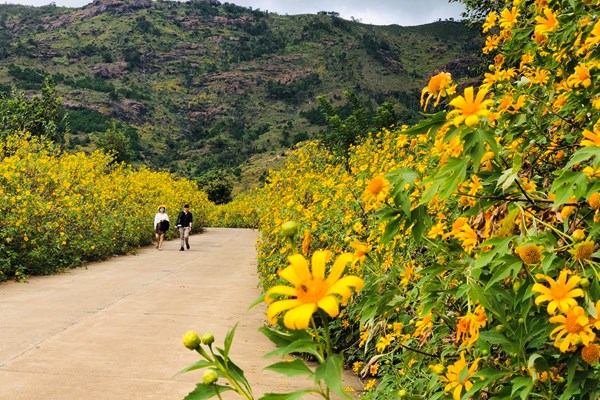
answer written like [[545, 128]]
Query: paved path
[[112, 331]]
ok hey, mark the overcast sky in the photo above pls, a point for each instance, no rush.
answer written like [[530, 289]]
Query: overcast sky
[[378, 12]]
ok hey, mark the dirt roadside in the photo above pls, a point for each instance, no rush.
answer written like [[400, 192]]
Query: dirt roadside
[[113, 330]]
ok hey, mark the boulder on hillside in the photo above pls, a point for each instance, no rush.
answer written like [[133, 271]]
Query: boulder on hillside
[[110, 70]]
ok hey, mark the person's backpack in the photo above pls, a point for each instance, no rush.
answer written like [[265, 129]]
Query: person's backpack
[[164, 225]]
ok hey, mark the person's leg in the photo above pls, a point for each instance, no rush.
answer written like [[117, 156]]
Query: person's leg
[[157, 240], [181, 236], [161, 237], [187, 237]]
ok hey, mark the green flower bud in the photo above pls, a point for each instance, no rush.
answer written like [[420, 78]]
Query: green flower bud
[[289, 229], [208, 339], [191, 340], [402, 393], [210, 376]]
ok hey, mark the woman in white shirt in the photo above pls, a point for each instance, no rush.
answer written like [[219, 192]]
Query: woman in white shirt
[[161, 226]]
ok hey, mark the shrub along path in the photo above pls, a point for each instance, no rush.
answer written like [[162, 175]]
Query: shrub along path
[[113, 330]]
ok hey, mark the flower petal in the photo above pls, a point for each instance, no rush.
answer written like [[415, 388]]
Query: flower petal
[[342, 287], [299, 317], [318, 261], [329, 304], [279, 290], [280, 306], [338, 267]]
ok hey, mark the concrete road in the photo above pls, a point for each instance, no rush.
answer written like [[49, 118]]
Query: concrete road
[[112, 331]]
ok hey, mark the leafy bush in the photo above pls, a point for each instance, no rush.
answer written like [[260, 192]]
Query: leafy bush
[[478, 247], [60, 210]]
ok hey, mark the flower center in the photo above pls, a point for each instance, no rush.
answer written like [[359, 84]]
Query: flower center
[[311, 290], [571, 324]]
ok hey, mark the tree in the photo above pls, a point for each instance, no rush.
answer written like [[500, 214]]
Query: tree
[[41, 115], [477, 10], [114, 141], [217, 184]]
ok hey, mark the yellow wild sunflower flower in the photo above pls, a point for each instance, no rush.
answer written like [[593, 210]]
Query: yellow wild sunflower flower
[[575, 329], [468, 326], [457, 376], [591, 138], [311, 289], [548, 24], [591, 353], [583, 251], [529, 254], [561, 293], [469, 108], [439, 86], [594, 201]]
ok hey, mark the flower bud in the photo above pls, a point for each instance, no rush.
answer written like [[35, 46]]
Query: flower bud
[[208, 339], [210, 376], [191, 340], [289, 229]]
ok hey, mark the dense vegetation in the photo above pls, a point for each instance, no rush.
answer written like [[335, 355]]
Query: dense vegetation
[[475, 231], [199, 87], [60, 210]]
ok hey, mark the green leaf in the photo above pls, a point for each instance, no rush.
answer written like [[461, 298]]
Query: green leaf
[[204, 392], [475, 145], [286, 396], [432, 122], [296, 347], [447, 180], [282, 339], [198, 365], [290, 368], [538, 363], [229, 340], [582, 155], [507, 178], [522, 385], [331, 373], [570, 183]]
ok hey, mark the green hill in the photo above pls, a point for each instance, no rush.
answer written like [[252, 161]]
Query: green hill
[[202, 85]]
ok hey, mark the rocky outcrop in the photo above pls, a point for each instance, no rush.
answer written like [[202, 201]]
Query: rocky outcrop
[[110, 70], [99, 7]]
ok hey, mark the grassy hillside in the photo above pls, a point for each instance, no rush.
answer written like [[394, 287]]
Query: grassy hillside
[[203, 86]]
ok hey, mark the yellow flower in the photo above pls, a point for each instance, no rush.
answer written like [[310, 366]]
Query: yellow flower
[[575, 329], [370, 384], [594, 201], [591, 138], [582, 76], [439, 86], [360, 250], [594, 37], [547, 24], [462, 231], [508, 18], [383, 343], [468, 326], [423, 325], [584, 250], [311, 289], [468, 109], [458, 376], [530, 254], [490, 21], [561, 293], [590, 353]]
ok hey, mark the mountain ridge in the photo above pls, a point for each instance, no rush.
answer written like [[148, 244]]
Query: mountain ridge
[[204, 86]]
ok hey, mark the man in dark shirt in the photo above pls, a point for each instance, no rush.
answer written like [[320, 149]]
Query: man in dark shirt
[[184, 224]]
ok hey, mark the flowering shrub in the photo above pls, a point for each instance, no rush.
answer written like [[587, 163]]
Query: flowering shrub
[[474, 231], [59, 210]]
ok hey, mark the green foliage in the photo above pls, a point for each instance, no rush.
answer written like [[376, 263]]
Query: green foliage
[[115, 142], [41, 115], [217, 184]]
